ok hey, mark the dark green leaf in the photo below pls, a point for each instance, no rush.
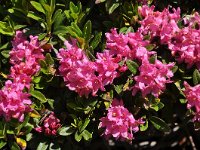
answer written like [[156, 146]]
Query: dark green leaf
[[196, 77], [87, 30], [38, 95], [14, 146], [5, 53], [2, 144], [118, 88], [157, 106], [38, 6], [132, 66], [34, 16], [49, 60], [97, 39], [159, 124]]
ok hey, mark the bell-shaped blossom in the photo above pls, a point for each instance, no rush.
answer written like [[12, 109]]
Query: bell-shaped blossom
[[119, 122]]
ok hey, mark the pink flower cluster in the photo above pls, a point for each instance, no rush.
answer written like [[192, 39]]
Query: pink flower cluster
[[119, 122], [159, 24], [184, 43], [14, 99], [193, 98], [82, 75], [24, 57], [152, 78], [50, 125], [127, 46]]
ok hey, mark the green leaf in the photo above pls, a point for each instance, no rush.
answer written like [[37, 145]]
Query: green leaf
[[144, 127], [2, 144], [97, 39], [183, 101], [34, 16], [38, 95], [157, 106], [66, 131], [42, 146], [14, 146], [174, 69], [159, 124], [49, 60], [150, 47], [17, 27], [37, 6], [73, 8], [5, 46], [76, 29], [77, 136], [87, 30], [113, 7], [2, 130], [86, 135], [6, 29], [54, 146], [85, 124], [196, 77], [5, 53], [118, 88], [29, 137], [132, 66]]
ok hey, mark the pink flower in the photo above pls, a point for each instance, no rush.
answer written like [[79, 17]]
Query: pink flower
[[106, 67], [14, 103], [119, 122], [159, 24], [82, 75], [193, 98], [50, 125], [185, 46], [152, 78], [14, 100]]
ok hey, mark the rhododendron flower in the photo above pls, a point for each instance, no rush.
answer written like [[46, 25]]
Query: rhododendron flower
[[193, 99], [106, 67], [117, 44], [159, 24], [82, 75], [14, 103], [119, 122], [50, 125], [185, 46], [152, 78]]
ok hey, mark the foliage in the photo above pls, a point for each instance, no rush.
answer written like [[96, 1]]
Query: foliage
[[64, 63]]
